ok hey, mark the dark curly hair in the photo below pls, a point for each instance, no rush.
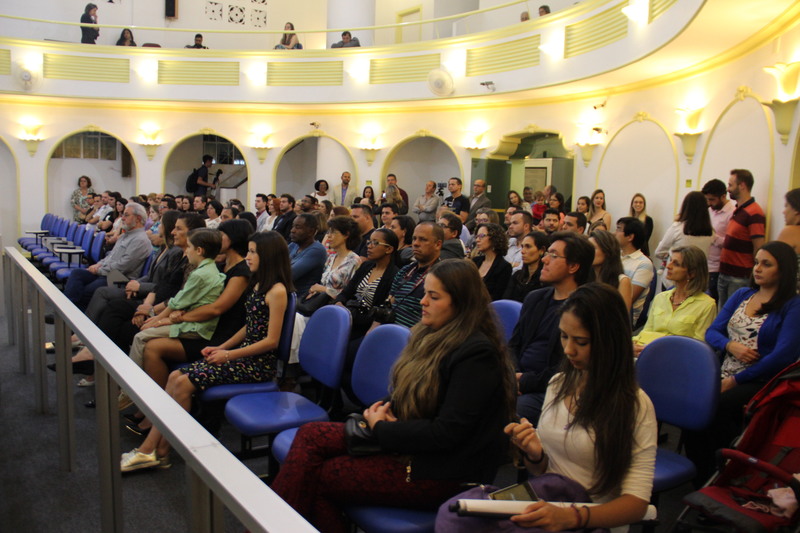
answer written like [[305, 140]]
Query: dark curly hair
[[497, 236], [347, 227]]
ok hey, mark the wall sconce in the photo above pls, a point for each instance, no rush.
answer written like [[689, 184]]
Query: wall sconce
[[691, 123], [786, 76], [148, 139], [474, 143], [369, 154], [30, 134], [587, 150], [689, 142], [259, 140]]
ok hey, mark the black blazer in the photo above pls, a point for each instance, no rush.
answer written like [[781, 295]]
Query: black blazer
[[496, 280], [283, 224], [464, 439]]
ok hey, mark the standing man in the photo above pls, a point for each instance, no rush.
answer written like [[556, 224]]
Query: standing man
[[307, 256], [743, 236], [344, 194], [630, 235], [426, 205], [261, 211], [477, 201], [391, 179], [283, 224], [457, 202], [519, 224], [535, 343], [203, 183], [720, 209], [362, 215]]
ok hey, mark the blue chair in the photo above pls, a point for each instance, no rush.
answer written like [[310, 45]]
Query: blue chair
[[74, 240], [66, 239], [681, 377], [74, 255], [57, 231], [370, 377], [95, 255], [226, 392], [45, 225], [508, 313], [322, 354]]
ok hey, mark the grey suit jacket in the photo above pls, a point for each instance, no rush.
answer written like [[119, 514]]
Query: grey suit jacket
[[483, 201]]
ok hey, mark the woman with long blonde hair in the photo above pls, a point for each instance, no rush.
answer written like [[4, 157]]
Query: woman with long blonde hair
[[639, 210], [452, 391], [597, 209]]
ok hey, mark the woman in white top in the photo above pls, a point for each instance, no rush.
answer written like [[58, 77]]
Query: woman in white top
[[601, 436], [321, 190], [691, 228], [274, 211]]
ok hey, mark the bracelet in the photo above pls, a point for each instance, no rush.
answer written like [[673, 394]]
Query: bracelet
[[588, 516], [578, 516], [534, 462]]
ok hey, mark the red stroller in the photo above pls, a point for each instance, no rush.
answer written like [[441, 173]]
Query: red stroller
[[766, 456]]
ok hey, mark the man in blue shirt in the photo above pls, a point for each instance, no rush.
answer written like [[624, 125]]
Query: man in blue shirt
[[307, 256]]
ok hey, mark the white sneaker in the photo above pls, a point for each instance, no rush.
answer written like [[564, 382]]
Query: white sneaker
[[136, 460]]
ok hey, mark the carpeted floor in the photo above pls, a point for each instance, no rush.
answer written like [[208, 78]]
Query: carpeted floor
[[35, 496]]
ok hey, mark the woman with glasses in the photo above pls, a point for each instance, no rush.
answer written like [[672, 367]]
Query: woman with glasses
[[491, 243], [370, 285]]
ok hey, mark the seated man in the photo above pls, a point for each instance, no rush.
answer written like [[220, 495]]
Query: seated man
[[631, 234], [128, 256], [452, 247], [535, 343], [388, 212], [407, 288], [574, 222], [307, 256], [348, 41]]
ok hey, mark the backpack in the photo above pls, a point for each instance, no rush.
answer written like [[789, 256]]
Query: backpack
[[191, 181]]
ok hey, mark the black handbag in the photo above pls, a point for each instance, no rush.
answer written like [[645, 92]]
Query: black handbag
[[307, 306], [358, 436]]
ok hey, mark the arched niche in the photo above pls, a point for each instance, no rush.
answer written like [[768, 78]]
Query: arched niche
[[417, 159], [92, 152], [743, 137], [309, 158], [187, 154], [640, 158], [10, 199], [531, 157]]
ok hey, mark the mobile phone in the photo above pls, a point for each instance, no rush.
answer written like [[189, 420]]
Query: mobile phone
[[519, 492]]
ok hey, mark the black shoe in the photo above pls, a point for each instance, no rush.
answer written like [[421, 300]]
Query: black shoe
[[49, 318], [80, 367], [136, 430], [133, 419]]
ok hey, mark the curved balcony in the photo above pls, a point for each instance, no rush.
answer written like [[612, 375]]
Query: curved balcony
[[596, 45]]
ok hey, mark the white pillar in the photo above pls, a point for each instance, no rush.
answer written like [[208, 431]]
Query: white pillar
[[351, 14]]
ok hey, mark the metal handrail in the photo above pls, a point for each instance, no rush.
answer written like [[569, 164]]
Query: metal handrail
[[216, 477]]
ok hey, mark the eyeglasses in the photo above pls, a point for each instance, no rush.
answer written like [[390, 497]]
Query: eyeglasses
[[553, 255], [481, 236], [377, 243]]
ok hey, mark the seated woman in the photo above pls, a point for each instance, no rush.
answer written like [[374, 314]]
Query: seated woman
[[758, 332], [116, 230], [403, 226], [289, 40], [344, 237], [607, 264], [159, 353], [610, 452], [247, 357], [492, 245], [370, 284], [526, 279], [452, 393], [685, 310]]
